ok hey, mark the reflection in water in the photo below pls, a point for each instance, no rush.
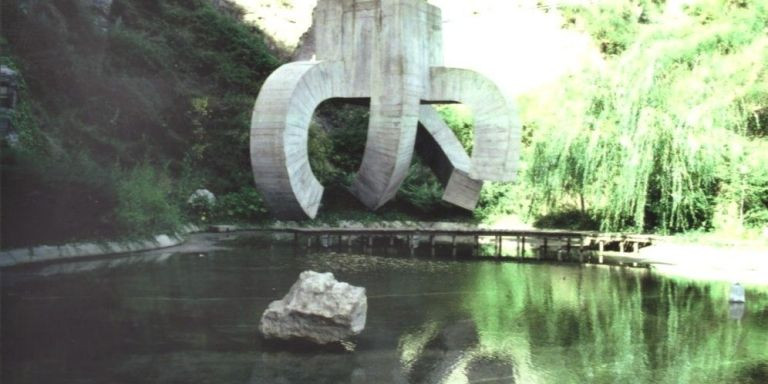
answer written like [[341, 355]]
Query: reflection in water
[[736, 310], [569, 325], [283, 367], [186, 318], [102, 264]]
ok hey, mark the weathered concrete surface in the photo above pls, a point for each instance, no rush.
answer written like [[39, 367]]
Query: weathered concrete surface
[[317, 308], [496, 146], [279, 134], [438, 146], [388, 51]]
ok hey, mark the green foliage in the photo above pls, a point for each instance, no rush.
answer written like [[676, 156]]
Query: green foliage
[[656, 140], [23, 117], [459, 119], [422, 190], [499, 199], [200, 210], [670, 135], [568, 219], [131, 93], [171, 82], [144, 205], [320, 148], [245, 205], [613, 25], [348, 133], [138, 51]]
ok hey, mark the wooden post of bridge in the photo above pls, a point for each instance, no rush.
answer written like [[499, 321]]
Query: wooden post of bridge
[[544, 249], [600, 250], [432, 245], [453, 246], [498, 246], [409, 242], [476, 250], [522, 248]]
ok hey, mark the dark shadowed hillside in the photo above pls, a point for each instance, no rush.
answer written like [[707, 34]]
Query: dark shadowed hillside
[[116, 99]]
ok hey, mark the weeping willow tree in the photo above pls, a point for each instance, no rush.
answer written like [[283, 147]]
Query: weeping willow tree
[[670, 133]]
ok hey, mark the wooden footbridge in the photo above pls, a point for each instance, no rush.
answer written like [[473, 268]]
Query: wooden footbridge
[[518, 244]]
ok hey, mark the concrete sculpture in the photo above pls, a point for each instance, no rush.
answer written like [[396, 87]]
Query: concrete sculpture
[[388, 52]]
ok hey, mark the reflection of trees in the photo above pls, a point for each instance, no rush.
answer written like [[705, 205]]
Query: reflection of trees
[[576, 324], [555, 324]]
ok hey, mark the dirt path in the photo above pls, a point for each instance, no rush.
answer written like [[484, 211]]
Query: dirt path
[[746, 264]]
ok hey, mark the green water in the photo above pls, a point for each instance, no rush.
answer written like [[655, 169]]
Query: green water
[[191, 317]]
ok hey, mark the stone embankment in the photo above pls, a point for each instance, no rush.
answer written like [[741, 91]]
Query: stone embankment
[[44, 253]]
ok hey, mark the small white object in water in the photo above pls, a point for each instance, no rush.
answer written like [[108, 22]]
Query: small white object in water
[[737, 294]]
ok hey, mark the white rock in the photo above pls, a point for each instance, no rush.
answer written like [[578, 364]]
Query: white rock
[[202, 195], [317, 308]]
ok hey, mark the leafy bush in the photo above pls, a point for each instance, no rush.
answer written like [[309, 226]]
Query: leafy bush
[[245, 205], [459, 119], [422, 190], [144, 205], [568, 219], [200, 210], [321, 150], [348, 133], [501, 199]]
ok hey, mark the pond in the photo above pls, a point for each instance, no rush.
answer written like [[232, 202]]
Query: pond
[[191, 317]]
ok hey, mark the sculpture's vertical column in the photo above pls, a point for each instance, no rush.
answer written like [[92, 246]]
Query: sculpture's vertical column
[[398, 76]]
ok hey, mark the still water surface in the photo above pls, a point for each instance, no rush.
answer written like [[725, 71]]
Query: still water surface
[[191, 317]]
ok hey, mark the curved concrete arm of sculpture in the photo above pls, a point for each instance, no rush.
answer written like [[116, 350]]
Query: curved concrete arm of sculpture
[[289, 97], [394, 117], [496, 147], [279, 134], [441, 150]]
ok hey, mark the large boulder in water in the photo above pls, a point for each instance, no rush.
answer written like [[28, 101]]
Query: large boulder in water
[[317, 308]]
